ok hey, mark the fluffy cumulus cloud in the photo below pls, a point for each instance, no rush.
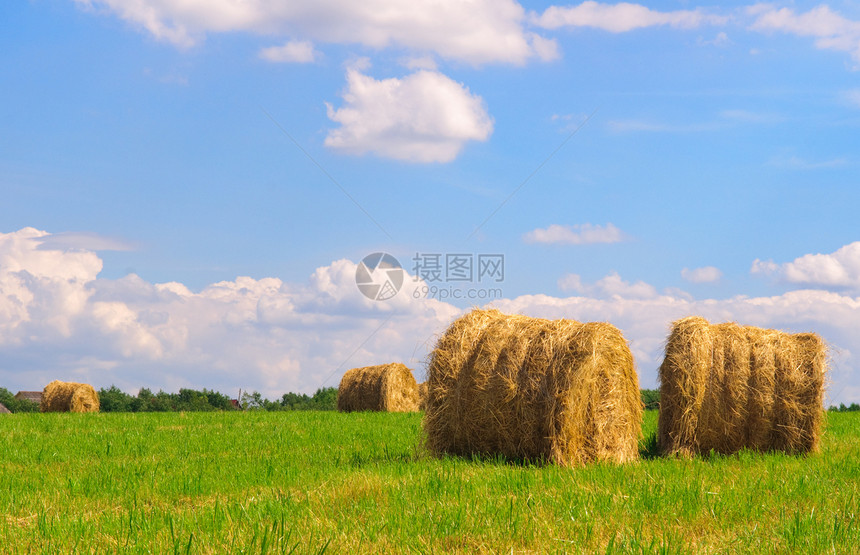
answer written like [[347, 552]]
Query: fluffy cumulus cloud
[[477, 32], [59, 320], [423, 117], [830, 30], [621, 17], [610, 286], [839, 270], [705, 274], [581, 234]]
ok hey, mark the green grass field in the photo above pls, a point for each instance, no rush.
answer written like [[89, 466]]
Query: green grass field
[[300, 482]]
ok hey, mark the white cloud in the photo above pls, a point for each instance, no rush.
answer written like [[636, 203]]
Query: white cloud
[[581, 234], [705, 274], [621, 17], [545, 49], [477, 32], [421, 62], [294, 51], [59, 320], [720, 41], [610, 286], [830, 30], [82, 240], [840, 269], [645, 323], [423, 117]]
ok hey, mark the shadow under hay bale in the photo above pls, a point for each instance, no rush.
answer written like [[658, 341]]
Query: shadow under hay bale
[[726, 387], [386, 388], [69, 397], [528, 388]]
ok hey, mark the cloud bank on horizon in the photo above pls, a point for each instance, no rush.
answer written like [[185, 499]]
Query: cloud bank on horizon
[[59, 320]]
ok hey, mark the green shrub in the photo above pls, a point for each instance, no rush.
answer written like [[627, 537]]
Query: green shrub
[[16, 405], [114, 399], [651, 399]]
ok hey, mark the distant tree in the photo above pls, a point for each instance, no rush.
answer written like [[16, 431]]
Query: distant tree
[[164, 402], [16, 405], [294, 401], [218, 401], [252, 401], [114, 399], [6, 398], [651, 399], [853, 407], [191, 400], [144, 401], [325, 399]]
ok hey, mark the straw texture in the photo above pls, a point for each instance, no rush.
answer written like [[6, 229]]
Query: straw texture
[[386, 387], [69, 397], [528, 388], [726, 387]]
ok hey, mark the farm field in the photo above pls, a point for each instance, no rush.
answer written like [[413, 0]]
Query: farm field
[[312, 482]]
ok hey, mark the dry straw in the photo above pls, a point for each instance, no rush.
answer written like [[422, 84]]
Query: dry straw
[[387, 388], [69, 397], [726, 387], [422, 396], [528, 388], [4, 410]]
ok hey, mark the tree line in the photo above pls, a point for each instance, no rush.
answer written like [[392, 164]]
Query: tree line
[[113, 399]]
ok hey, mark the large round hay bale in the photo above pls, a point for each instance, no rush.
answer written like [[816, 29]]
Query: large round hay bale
[[726, 387], [386, 388], [528, 388], [69, 397]]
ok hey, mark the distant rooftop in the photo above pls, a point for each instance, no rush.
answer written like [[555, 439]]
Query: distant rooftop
[[33, 396]]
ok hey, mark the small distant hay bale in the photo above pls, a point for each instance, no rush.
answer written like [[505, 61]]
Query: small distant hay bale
[[69, 397], [422, 396], [386, 388], [4, 410], [726, 387], [528, 388]]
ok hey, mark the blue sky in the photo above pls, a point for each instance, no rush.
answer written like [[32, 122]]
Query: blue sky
[[637, 162]]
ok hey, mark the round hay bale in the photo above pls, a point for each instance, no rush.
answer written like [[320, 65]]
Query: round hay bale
[[726, 387], [386, 388], [528, 388], [69, 397], [422, 396]]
